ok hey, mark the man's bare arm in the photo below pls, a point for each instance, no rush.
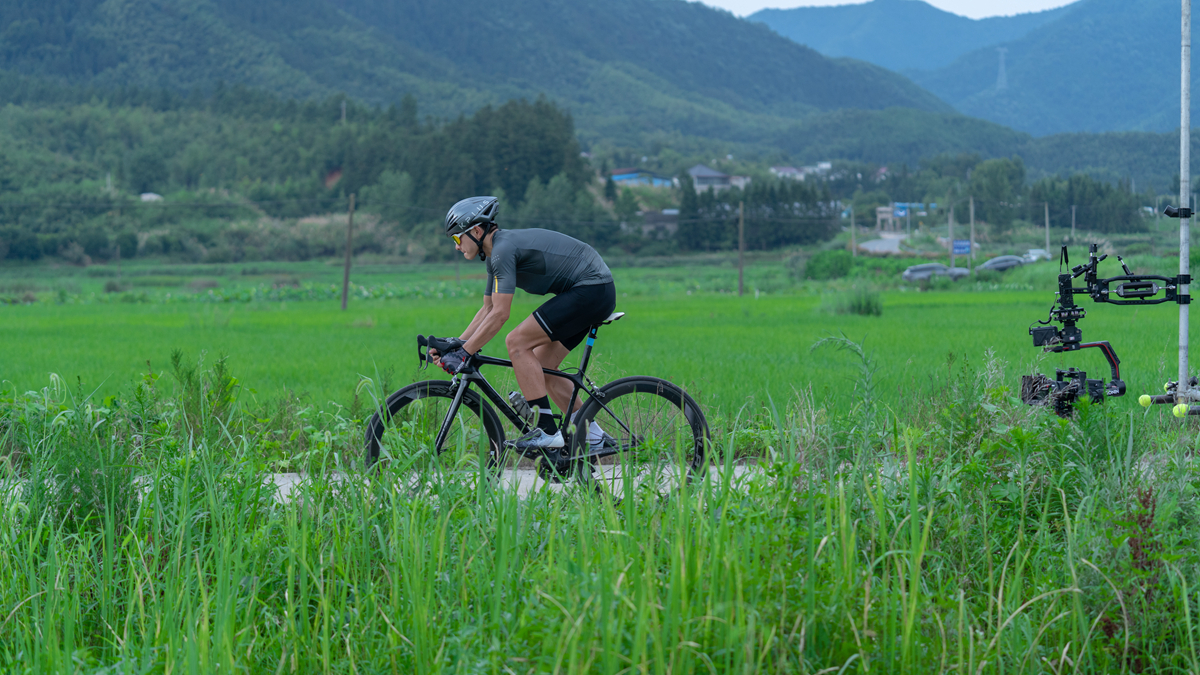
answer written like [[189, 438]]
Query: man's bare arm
[[490, 324], [479, 318]]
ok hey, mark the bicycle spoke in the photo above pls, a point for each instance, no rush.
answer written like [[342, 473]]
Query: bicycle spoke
[[407, 443], [657, 443]]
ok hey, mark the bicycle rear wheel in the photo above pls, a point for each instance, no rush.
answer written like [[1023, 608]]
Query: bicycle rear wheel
[[660, 433], [401, 434]]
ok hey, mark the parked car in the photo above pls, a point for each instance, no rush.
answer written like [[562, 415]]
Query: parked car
[[927, 271], [1036, 254], [1002, 262]]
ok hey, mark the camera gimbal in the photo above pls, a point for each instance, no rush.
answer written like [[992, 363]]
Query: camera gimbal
[[1127, 289]]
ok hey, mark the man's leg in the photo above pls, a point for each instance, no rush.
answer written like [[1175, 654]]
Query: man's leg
[[551, 356], [525, 344], [521, 342]]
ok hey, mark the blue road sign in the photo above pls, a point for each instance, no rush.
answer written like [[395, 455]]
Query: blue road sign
[[962, 247]]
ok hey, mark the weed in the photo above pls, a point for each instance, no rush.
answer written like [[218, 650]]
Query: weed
[[205, 393], [860, 301]]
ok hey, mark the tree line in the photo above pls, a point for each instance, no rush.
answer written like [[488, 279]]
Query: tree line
[[771, 214], [72, 174], [1001, 191]]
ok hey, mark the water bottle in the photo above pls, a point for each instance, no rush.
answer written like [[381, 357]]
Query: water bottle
[[520, 406]]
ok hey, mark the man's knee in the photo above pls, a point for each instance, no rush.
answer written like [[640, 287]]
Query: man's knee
[[515, 344], [518, 342]]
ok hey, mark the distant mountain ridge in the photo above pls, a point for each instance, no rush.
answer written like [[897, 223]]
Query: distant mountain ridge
[[1091, 66], [899, 35], [1108, 65], [627, 69]]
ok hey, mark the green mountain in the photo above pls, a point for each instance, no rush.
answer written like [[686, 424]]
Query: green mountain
[[898, 34], [627, 69], [1105, 65], [650, 74]]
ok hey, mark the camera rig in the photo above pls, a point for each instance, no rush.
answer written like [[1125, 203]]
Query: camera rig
[[1128, 289]]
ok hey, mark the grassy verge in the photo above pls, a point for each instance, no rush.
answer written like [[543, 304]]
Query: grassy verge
[[969, 534]]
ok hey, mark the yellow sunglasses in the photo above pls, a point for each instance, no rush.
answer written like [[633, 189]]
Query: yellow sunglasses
[[457, 239]]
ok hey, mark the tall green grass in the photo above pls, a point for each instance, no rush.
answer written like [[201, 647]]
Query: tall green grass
[[965, 534]]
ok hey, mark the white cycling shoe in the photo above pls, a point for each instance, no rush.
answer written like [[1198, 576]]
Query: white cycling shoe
[[601, 443], [538, 440]]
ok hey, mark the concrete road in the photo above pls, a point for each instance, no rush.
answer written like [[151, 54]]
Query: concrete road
[[524, 481]]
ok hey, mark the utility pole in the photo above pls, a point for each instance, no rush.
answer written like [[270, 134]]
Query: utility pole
[[951, 223], [1073, 223], [908, 219], [1185, 185], [741, 242], [1047, 227], [972, 229], [853, 246], [349, 250]]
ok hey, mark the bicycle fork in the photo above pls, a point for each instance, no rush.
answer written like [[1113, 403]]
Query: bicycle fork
[[454, 405]]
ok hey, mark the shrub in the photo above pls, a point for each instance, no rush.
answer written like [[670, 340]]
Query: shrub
[[939, 282], [987, 276], [95, 244], [860, 301], [127, 244], [829, 265], [795, 265], [24, 246]]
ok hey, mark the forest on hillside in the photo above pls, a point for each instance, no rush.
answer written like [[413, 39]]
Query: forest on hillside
[[248, 175], [629, 70], [242, 174]]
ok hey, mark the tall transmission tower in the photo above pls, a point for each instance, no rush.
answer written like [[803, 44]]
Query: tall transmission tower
[[1002, 77]]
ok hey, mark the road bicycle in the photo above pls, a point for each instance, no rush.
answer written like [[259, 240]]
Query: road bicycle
[[441, 430]]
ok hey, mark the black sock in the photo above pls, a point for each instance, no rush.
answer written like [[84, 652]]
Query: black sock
[[545, 418]]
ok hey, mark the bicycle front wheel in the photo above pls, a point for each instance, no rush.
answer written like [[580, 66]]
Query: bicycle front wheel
[[657, 431], [402, 433]]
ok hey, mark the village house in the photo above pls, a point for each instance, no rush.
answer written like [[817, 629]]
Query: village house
[[704, 178]]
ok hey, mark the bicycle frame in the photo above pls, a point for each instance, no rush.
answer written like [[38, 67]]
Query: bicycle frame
[[463, 380]]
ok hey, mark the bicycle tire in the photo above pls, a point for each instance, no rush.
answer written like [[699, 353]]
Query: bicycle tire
[[661, 416], [401, 408]]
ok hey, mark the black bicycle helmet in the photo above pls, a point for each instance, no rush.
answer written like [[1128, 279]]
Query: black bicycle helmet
[[470, 212]]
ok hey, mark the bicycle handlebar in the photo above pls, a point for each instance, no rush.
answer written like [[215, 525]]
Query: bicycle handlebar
[[439, 345]]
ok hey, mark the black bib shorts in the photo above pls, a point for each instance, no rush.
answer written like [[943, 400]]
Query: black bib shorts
[[567, 316]]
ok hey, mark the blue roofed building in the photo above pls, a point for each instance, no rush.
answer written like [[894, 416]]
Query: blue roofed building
[[636, 176]]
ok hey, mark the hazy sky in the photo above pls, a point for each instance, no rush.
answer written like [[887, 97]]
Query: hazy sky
[[976, 9]]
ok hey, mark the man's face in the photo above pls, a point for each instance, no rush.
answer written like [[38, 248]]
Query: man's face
[[465, 245]]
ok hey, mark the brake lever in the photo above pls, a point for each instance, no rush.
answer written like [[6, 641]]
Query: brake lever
[[422, 349]]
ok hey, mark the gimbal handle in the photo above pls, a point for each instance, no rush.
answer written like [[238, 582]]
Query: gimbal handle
[[1114, 363]]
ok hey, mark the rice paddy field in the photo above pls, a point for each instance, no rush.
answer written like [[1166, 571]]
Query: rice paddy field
[[284, 333], [898, 509]]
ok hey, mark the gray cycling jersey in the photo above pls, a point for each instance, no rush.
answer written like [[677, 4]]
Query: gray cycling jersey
[[542, 261]]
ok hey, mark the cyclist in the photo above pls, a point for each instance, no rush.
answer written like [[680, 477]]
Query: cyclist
[[539, 262]]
